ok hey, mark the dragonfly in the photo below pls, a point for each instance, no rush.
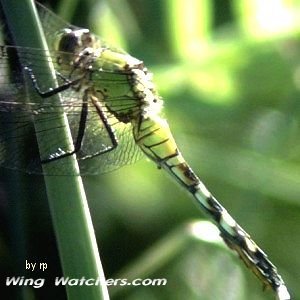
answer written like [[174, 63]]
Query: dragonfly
[[115, 116]]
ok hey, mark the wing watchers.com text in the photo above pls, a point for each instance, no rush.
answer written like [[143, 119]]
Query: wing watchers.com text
[[67, 281]]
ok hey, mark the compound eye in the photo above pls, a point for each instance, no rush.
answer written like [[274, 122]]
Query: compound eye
[[68, 43], [87, 39]]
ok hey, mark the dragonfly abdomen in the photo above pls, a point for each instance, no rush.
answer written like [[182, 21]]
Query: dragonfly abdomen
[[155, 139]]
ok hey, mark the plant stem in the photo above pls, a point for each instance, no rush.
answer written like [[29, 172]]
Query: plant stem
[[69, 209]]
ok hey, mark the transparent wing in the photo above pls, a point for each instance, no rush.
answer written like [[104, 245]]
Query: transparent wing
[[51, 23], [20, 104]]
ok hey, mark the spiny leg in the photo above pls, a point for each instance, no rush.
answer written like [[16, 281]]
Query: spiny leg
[[80, 133], [83, 117], [52, 91], [88, 97], [108, 128]]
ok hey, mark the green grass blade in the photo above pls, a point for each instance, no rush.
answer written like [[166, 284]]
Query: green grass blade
[[67, 8], [189, 26], [68, 204]]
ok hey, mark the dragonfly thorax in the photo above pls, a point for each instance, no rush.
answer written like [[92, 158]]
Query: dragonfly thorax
[[143, 87]]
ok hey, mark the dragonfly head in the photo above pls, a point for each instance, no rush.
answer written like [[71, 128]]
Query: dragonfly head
[[71, 43]]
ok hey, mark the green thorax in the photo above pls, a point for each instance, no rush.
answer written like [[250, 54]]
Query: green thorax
[[118, 80]]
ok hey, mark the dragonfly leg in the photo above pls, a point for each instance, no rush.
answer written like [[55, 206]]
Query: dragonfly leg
[[80, 133], [88, 96], [81, 130], [108, 128], [52, 91]]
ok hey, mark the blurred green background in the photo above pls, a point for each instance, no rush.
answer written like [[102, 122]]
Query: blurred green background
[[229, 72]]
